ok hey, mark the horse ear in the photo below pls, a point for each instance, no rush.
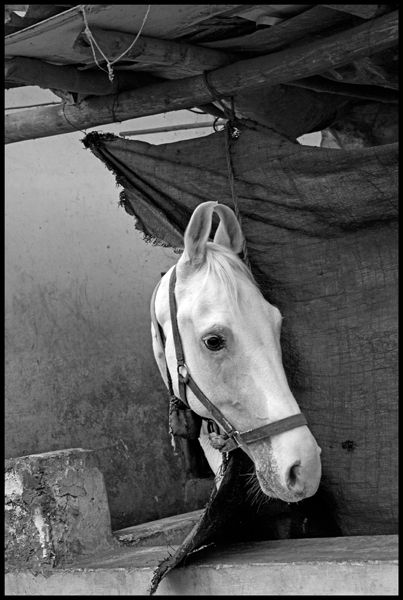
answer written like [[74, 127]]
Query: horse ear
[[197, 233], [229, 232]]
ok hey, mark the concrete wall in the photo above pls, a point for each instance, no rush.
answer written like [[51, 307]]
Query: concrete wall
[[79, 277]]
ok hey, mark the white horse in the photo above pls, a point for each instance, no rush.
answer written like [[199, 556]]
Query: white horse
[[231, 340]]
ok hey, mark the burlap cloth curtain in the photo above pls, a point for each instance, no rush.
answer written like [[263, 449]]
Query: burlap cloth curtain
[[321, 232]]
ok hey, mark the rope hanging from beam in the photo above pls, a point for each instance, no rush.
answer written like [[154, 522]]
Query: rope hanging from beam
[[231, 133], [92, 41]]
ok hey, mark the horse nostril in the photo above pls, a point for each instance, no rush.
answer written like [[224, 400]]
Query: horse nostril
[[293, 474]]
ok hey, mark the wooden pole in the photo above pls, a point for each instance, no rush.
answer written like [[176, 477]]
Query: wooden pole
[[280, 67], [183, 59], [374, 93], [182, 127], [32, 71], [365, 11], [269, 39]]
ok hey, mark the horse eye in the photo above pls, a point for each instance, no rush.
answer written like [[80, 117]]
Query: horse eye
[[214, 342]]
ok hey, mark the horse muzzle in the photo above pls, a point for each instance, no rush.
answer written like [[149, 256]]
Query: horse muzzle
[[290, 472]]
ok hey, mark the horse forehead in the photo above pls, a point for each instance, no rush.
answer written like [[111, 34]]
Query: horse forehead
[[214, 300], [209, 303]]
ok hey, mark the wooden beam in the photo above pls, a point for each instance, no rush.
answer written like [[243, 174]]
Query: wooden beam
[[281, 67], [31, 71], [312, 21], [211, 109], [182, 60], [178, 60], [182, 127], [364, 92], [365, 11]]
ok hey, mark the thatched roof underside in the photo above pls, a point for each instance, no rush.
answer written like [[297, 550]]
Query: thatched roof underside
[[295, 68]]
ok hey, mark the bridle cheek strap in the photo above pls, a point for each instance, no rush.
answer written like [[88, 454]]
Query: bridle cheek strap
[[232, 438]]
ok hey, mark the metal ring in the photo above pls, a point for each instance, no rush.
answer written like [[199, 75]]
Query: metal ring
[[233, 432], [183, 378]]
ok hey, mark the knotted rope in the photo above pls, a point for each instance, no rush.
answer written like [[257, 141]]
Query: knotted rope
[[93, 43]]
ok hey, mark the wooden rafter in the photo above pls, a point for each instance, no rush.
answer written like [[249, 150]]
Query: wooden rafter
[[281, 67], [31, 71], [365, 11], [364, 92], [266, 40], [174, 60], [181, 60]]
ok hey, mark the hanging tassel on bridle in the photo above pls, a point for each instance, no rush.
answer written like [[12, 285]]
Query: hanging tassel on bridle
[[183, 421]]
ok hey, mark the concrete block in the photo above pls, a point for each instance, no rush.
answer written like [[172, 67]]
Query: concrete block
[[56, 509]]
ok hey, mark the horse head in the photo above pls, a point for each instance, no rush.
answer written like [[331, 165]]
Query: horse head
[[231, 341]]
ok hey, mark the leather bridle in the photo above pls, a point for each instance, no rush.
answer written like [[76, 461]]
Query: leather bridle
[[233, 438]]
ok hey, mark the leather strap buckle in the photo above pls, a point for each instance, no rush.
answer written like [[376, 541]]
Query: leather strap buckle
[[183, 373]]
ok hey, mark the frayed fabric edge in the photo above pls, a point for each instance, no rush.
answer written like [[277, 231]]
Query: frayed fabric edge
[[94, 141]]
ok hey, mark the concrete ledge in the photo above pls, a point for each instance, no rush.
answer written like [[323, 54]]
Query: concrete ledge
[[163, 532], [364, 565]]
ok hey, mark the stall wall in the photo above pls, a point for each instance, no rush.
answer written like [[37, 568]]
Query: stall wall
[[79, 364]]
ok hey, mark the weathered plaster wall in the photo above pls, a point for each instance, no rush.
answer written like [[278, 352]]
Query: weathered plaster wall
[[79, 365]]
